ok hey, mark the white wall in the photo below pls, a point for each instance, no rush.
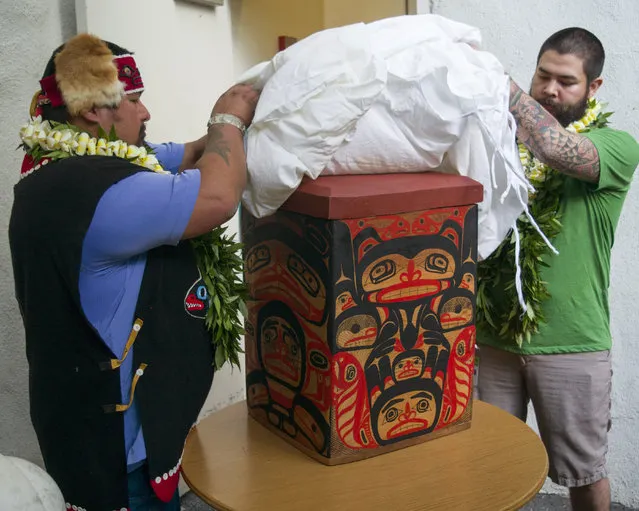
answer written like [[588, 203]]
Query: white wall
[[513, 31], [30, 30]]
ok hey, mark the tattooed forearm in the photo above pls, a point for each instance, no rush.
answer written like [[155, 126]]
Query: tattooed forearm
[[539, 131], [515, 95], [216, 143]]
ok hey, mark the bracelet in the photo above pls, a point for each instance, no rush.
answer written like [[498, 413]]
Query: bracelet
[[226, 119]]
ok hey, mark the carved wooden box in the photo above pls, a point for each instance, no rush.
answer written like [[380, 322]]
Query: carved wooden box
[[360, 333]]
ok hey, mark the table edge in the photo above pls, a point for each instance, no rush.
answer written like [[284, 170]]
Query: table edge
[[523, 500]]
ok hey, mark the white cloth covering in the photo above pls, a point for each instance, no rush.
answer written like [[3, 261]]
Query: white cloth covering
[[404, 94]]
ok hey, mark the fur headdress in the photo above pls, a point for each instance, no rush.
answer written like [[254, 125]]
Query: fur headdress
[[88, 72]]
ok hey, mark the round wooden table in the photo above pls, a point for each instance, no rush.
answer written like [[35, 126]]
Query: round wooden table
[[235, 464]]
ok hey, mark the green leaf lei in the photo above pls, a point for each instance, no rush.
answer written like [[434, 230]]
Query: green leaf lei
[[221, 268], [216, 252], [496, 274]]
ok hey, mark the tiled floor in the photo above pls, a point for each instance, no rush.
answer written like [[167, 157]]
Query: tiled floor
[[543, 502], [547, 502]]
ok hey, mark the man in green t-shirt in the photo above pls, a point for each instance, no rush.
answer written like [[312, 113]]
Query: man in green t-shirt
[[565, 368]]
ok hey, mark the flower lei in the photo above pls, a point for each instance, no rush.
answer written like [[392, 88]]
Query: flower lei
[[216, 253], [496, 274], [54, 141]]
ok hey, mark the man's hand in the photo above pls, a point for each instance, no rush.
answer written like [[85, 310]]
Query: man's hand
[[240, 101], [570, 153], [222, 163]]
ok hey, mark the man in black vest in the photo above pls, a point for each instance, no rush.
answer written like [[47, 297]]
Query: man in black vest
[[110, 294]]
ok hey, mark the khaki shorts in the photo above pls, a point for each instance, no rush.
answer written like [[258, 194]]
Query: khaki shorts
[[571, 396]]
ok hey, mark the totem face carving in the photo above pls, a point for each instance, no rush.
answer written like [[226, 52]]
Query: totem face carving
[[360, 333]]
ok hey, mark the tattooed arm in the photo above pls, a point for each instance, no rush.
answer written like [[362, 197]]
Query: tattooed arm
[[539, 131], [222, 164]]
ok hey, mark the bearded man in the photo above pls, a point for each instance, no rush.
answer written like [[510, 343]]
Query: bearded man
[[557, 354]]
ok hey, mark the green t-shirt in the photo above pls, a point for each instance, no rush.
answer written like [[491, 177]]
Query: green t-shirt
[[577, 313]]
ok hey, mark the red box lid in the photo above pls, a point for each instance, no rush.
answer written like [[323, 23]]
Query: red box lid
[[365, 195]]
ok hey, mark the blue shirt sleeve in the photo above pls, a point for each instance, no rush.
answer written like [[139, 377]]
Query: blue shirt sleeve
[[139, 213], [170, 155]]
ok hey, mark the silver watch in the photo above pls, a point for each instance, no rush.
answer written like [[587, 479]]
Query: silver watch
[[231, 119]]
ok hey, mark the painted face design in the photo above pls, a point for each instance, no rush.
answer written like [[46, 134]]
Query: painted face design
[[408, 365], [468, 282], [408, 269], [281, 351], [406, 411], [397, 278], [405, 376], [277, 272], [344, 302], [357, 331], [456, 312], [196, 302]]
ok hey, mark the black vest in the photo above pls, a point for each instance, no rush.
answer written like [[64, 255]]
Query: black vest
[[71, 384]]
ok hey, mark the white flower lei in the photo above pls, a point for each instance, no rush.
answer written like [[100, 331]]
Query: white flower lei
[[537, 171], [56, 141], [216, 252]]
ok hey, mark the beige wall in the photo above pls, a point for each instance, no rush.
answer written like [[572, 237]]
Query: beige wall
[[345, 12], [258, 23]]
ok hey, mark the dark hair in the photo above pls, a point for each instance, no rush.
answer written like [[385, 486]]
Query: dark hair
[[581, 43], [60, 113]]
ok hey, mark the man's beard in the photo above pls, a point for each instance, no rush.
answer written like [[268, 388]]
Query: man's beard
[[142, 136], [565, 114]]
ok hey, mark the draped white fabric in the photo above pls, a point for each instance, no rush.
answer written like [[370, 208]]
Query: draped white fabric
[[405, 94]]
